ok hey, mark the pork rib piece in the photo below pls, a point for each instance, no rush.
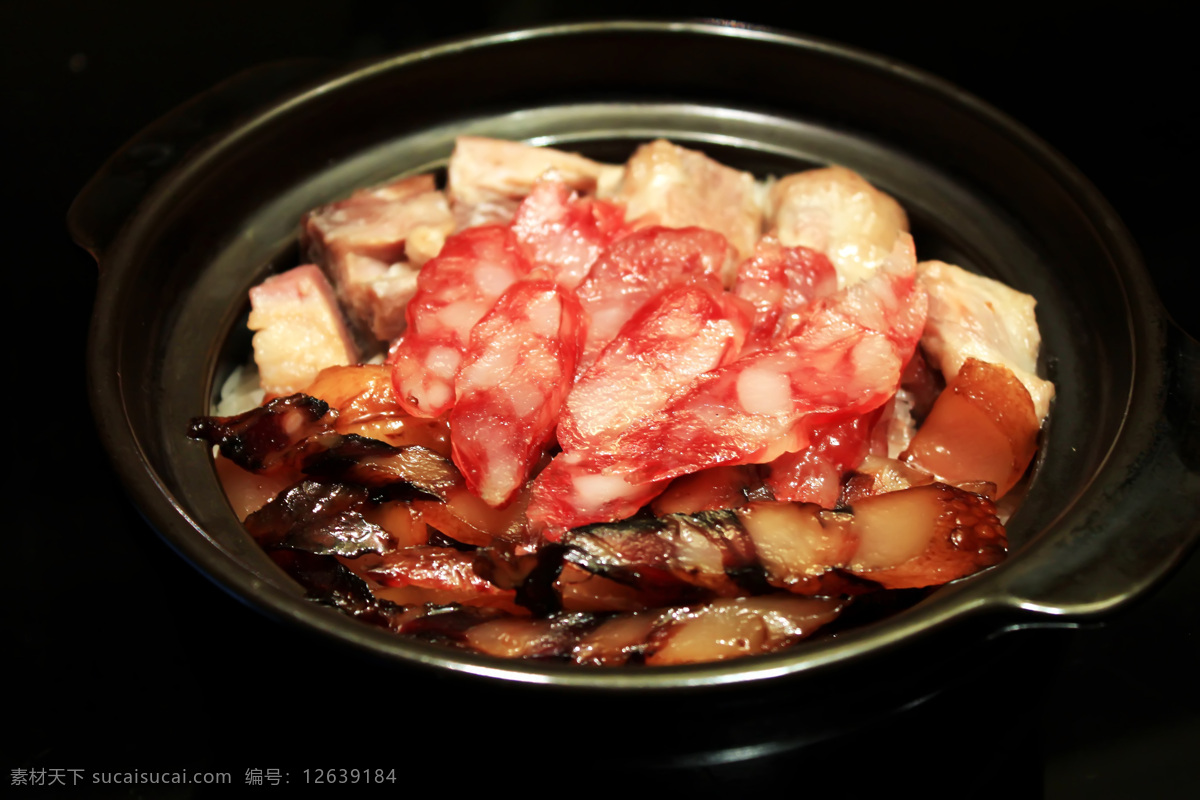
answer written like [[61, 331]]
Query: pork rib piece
[[668, 185], [489, 177], [971, 316], [837, 212], [299, 330], [373, 243]]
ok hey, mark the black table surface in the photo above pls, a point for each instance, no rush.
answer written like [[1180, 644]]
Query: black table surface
[[128, 660]]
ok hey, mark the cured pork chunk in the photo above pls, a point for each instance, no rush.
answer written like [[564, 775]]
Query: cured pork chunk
[[373, 243], [836, 212], [299, 330], [667, 185], [489, 177], [971, 316]]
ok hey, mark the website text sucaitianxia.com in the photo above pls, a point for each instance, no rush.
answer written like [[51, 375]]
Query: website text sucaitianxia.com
[[47, 776]]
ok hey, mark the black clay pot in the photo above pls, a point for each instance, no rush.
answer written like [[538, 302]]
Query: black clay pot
[[206, 202]]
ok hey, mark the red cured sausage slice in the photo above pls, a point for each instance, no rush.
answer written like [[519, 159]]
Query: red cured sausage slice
[[814, 474], [780, 281], [511, 387], [454, 291], [564, 233], [635, 269], [682, 333], [844, 360], [575, 489]]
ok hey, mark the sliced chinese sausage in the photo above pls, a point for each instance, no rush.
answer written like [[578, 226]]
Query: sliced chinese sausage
[[814, 474], [456, 289], [678, 335], [844, 360], [578, 489], [489, 177], [836, 212], [779, 281], [299, 330], [510, 389], [565, 233], [635, 269], [981, 428], [665, 184]]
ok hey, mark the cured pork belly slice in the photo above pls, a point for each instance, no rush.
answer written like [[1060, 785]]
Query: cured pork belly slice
[[734, 628], [373, 243], [971, 316], [837, 212], [299, 330], [667, 185], [921, 536], [489, 177]]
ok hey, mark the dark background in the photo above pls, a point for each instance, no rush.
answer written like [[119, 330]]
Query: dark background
[[127, 659]]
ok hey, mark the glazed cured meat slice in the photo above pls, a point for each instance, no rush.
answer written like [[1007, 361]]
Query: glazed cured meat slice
[[274, 435], [366, 404], [299, 330], [455, 290], [372, 244], [738, 627], [921, 536], [971, 316], [981, 428], [814, 474], [511, 387], [682, 333], [430, 567], [672, 559], [668, 185], [844, 360], [836, 212], [565, 233], [489, 177], [635, 269], [780, 281], [723, 629]]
